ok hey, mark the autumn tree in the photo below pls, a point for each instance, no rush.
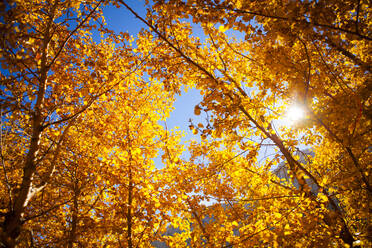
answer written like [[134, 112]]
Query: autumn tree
[[81, 125], [314, 54], [82, 122], [47, 84]]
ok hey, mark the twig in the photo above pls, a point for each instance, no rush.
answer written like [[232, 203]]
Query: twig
[[3, 161], [72, 32], [313, 23], [307, 83], [45, 211], [357, 18]]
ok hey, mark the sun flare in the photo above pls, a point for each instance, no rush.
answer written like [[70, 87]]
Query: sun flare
[[294, 114]]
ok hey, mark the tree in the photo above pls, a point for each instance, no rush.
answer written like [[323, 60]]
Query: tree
[[35, 49], [79, 131], [82, 122], [309, 53]]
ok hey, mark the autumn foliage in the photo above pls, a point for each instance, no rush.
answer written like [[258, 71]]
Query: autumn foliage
[[83, 125]]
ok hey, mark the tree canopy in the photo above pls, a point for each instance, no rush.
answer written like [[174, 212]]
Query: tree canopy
[[83, 123]]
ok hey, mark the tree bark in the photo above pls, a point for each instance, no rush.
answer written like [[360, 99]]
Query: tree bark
[[13, 219], [74, 221]]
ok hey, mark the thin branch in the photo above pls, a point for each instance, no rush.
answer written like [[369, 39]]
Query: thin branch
[[141, 235], [219, 55], [200, 223], [307, 83], [357, 18], [91, 206], [94, 98], [51, 170], [336, 77], [45, 211], [284, 216], [47, 151], [25, 65], [3, 160], [269, 198], [239, 53], [168, 42], [363, 65], [347, 148], [72, 32], [312, 23]]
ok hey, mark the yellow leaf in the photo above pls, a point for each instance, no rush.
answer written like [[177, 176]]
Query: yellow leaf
[[197, 110], [277, 215], [222, 28]]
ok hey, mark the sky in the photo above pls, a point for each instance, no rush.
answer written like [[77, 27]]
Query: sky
[[120, 19]]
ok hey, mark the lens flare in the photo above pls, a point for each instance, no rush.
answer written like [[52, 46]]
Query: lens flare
[[294, 114]]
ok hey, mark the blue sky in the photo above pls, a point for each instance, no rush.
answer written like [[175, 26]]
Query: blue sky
[[120, 19]]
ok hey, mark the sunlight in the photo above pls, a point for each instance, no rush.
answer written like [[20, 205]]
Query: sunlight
[[294, 114]]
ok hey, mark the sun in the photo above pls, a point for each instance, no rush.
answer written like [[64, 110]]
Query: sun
[[294, 114]]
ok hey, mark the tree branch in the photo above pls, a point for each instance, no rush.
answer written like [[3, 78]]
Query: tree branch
[[49, 174], [307, 83], [312, 23], [72, 32], [45, 211], [357, 18], [3, 161]]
